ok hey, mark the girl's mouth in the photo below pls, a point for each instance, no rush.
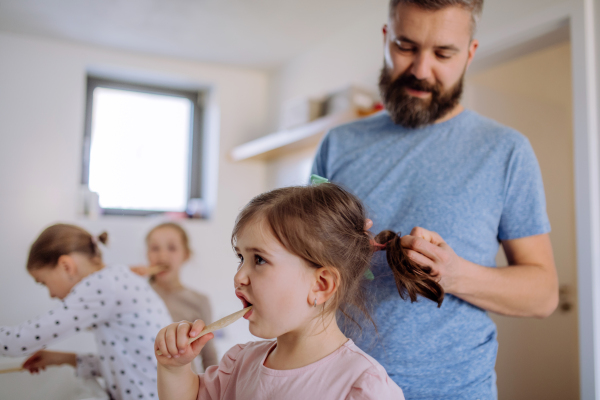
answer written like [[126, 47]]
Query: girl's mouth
[[245, 303]]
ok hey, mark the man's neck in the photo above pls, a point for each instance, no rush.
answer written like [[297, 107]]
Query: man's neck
[[453, 113]]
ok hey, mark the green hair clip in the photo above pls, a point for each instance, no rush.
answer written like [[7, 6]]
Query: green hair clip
[[317, 180]]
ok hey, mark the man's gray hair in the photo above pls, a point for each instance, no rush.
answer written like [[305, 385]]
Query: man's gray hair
[[474, 6]]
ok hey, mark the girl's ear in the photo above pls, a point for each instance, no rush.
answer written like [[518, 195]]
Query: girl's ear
[[68, 265], [326, 280]]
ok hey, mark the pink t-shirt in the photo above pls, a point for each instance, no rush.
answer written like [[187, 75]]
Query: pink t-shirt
[[346, 374]]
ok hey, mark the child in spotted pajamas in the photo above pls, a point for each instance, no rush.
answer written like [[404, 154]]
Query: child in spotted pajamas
[[119, 307]]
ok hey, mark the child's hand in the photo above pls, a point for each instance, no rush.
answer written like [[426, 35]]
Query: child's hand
[[43, 358], [144, 271], [172, 341], [140, 270]]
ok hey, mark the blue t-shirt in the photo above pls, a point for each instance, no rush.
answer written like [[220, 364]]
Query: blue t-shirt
[[473, 181]]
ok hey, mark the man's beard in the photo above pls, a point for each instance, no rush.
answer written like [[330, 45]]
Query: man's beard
[[413, 112]]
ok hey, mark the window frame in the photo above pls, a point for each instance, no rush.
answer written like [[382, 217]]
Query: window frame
[[195, 156]]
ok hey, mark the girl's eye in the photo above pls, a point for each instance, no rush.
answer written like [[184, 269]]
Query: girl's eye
[[241, 259], [260, 260]]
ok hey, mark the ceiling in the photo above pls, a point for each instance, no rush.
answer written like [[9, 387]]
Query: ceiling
[[251, 33]]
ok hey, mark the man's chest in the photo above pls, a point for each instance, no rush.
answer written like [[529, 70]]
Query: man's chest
[[453, 190]]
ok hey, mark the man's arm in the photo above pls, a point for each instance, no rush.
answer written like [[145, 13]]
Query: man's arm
[[528, 287]]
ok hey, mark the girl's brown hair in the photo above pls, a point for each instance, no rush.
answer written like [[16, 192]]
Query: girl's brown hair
[[324, 225], [62, 239], [172, 225]]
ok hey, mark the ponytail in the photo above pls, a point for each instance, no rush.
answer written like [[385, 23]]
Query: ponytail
[[103, 238], [411, 279]]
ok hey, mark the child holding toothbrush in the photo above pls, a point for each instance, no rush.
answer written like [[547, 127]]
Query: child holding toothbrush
[[304, 253]]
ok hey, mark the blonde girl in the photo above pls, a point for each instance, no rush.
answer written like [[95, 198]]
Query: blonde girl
[[168, 246], [119, 307], [304, 253]]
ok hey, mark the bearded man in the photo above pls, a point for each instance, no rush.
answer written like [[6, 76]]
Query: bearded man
[[461, 184]]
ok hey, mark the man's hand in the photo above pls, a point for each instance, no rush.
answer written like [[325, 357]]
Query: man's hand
[[428, 249], [528, 287], [43, 358]]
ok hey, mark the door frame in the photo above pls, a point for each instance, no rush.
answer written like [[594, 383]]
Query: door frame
[[575, 21]]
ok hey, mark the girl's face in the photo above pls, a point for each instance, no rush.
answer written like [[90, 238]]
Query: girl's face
[[57, 280], [275, 282], [165, 247]]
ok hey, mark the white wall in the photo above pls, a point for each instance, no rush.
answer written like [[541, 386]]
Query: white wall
[[42, 99]]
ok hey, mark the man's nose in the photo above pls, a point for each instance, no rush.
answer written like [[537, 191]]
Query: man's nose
[[421, 67]]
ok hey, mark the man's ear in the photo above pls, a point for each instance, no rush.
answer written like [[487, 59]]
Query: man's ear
[[385, 31], [67, 264], [326, 282], [473, 46]]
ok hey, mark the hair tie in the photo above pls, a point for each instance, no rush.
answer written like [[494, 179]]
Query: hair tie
[[378, 246]]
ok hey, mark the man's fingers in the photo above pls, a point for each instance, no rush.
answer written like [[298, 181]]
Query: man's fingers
[[419, 258], [421, 246], [430, 236]]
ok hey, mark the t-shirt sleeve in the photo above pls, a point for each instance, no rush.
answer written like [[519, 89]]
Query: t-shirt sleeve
[[524, 212], [88, 304], [375, 384], [216, 378]]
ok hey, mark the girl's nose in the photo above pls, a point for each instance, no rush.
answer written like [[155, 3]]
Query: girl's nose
[[241, 278]]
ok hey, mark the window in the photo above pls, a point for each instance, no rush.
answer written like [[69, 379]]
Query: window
[[142, 148]]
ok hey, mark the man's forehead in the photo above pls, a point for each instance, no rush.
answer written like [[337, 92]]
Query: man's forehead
[[447, 26]]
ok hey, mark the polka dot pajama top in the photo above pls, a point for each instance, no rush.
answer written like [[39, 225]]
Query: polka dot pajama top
[[122, 311]]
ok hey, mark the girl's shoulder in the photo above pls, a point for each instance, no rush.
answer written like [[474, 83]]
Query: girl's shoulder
[[372, 379], [245, 353]]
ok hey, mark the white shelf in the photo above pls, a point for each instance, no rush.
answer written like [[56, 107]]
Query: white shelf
[[283, 142]]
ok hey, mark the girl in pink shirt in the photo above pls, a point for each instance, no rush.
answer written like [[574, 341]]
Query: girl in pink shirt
[[304, 252]]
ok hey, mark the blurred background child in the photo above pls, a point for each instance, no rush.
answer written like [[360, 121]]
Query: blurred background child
[[168, 247], [120, 308]]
